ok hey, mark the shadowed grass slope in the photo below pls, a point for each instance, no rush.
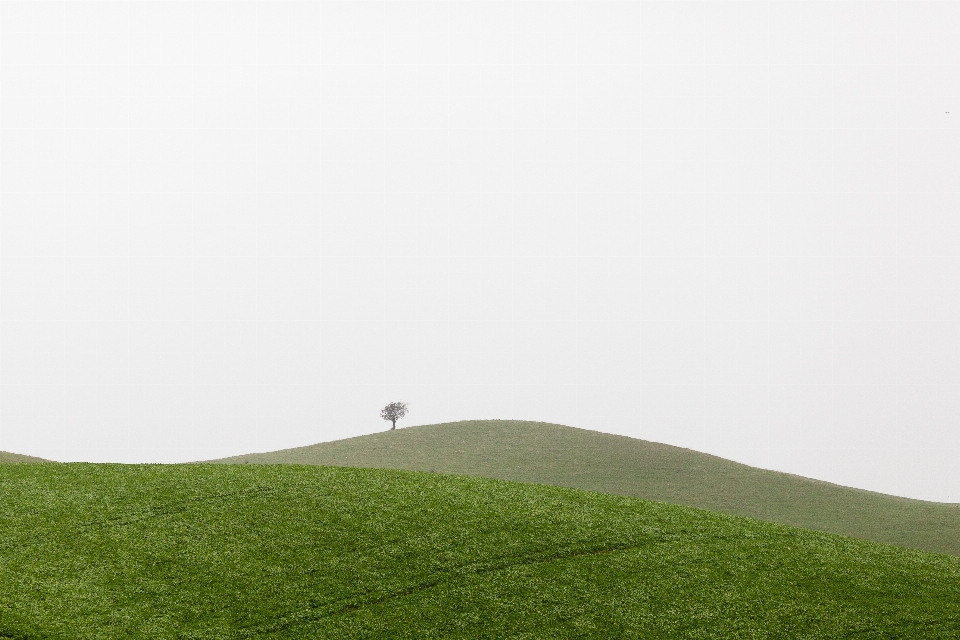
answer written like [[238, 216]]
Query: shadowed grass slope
[[290, 551], [6, 458], [565, 456]]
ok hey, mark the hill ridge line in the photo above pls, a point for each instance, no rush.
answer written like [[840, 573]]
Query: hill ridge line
[[561, 455]]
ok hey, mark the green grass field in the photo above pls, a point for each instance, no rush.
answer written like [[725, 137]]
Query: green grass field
[[290, 551], [564, 456]]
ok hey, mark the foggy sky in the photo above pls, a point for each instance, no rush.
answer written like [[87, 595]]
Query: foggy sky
[[232, 226]]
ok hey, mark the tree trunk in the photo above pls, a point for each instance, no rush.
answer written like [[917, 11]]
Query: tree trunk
[[394, 425]]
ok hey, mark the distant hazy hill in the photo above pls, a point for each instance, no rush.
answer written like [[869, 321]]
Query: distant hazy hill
[[6, 457], [565, 456]]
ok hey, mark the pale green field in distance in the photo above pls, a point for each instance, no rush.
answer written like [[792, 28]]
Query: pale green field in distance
[[565, 456], [7, 458]]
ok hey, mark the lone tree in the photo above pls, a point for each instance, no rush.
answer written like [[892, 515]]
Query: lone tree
[[393, 412]]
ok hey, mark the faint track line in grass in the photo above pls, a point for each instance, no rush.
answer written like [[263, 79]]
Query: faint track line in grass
[[171, 507], [147, 513], [353, 603]]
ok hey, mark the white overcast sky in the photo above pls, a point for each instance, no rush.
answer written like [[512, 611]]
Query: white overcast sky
[[231, 226]]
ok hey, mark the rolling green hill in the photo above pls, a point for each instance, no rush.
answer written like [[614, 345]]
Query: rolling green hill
[[6, 458], [201, 551], [565, 456]]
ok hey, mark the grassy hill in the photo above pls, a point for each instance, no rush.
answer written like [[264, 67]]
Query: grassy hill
[[6, 458], [564, 456], [287, 551]]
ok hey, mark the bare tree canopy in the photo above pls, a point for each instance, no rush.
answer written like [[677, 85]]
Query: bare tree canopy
[[393, 412]]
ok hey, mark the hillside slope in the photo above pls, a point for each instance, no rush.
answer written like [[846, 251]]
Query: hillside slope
[[565, 456], [6, 457], [226, 552]]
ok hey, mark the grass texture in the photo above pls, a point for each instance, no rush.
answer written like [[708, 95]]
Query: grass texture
[[565, 456], [289, 551]]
